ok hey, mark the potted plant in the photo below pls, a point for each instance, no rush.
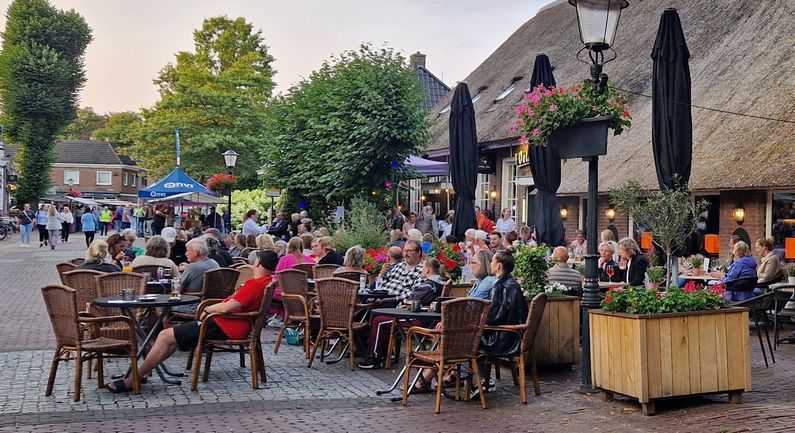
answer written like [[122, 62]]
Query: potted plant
[[558, 339], [791, 275], [697, 262], [221, 182], [654, 276], [574, 120], [451, 258], [681, 342]]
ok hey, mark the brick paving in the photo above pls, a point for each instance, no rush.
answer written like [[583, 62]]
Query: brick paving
[[325, 398]]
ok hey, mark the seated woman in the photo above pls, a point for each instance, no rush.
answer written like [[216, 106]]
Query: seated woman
[[130, 235], [97, 258], [262, 242], [607, 250], [156, 254], [325, 253], [119, 249], [769, 269], [354, 260], [238, 243], [743, 267], [632, 266], [218, 254], [481, 269]]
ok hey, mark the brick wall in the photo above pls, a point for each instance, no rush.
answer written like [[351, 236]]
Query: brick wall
[[88, 180], [754, 203]]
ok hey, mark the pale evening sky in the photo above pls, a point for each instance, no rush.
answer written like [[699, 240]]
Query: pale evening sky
[[134, 39]]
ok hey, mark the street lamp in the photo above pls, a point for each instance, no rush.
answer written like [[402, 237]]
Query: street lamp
[[598, 23], [230, 158]]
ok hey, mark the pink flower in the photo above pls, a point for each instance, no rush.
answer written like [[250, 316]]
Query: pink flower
[[521, 109], [553, 108], [523, 140], [530, 112], [536, 132], [512, 128]]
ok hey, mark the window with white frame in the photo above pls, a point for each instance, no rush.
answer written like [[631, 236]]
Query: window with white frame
[[104, 178], [415, 193], [72, 176], [482, 190], [124, 178], [508, 186], [134, 179]]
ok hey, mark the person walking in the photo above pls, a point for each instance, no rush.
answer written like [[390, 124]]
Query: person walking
[[53, 225], [138, 219], [118, 214], [105, 216], [67, 219], [26, 219], [90, 224], [41, 224]]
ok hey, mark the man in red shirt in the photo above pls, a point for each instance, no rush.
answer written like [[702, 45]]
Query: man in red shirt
[[185, 337]]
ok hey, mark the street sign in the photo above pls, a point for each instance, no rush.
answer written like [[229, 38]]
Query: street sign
[[273, 192]]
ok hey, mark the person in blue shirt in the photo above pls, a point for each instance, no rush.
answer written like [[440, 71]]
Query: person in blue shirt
[[480, 266], [743, 266], [41, 224], [90, 225]]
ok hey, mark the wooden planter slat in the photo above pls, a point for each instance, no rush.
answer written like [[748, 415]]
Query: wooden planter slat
[[650, 357], [558, 339]]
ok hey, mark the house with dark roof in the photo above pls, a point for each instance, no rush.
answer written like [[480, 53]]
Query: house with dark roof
[[435, 89], [743, 166]]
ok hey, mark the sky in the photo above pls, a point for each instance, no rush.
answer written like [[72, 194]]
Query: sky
[[134, 39]]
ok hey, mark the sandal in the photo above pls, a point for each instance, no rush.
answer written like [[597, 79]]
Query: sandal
[[422, 386], [117, 387]]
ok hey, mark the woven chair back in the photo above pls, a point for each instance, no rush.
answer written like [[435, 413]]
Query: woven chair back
[[293, 282], [306, 267], [63, 268], [78, 261], [448, 285], [267, 298], [336, 300], [463, 321], [61, 302], [114, 283], [534, 316], [219, 283], [246, 272], [152, 269], [244, 253], [352, 275], [84, 281], [324, 271]]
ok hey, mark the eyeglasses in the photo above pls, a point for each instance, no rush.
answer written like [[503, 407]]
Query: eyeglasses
[[409, 250]]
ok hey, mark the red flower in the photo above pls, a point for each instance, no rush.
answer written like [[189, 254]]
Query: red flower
[[690, 287], [608, 298], [456, 248]]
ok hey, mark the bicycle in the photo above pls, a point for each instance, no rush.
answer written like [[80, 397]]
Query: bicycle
[[3, 232]]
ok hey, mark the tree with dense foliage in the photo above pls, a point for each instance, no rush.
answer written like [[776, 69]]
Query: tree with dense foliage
[[83, 126], [41, 73], [119, 130], [336, 134], [216, 97]]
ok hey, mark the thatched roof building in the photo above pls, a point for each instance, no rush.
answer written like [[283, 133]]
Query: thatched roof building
[[742, 60]]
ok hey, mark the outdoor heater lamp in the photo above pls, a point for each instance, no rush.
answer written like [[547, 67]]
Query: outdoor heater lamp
[[598, 23], [610, 213]]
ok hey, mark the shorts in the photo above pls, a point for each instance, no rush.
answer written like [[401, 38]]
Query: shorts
[[187, 334]]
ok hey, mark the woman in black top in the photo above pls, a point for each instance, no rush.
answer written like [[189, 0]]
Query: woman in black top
[[96, 256], [159, 219], [633, 264], [323, 248]]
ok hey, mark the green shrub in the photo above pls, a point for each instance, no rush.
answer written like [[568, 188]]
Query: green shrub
[[363, 225]]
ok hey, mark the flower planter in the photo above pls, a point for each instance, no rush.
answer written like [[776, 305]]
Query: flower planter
[[587, 137], [650, 357], [558, 338]]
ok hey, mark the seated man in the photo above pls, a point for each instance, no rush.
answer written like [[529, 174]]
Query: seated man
[[193, 272], [185, 336], [495, 242], [562, 273]]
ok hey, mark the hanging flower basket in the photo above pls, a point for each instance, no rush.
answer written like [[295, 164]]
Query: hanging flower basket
[[219, 183], [586, 137]]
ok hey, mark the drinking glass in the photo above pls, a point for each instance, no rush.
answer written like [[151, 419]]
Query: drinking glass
[[126, 266], [167, 273], [610, 270], [175, 288], [128, 295]]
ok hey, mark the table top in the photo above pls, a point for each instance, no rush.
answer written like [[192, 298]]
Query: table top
[[162, 282], [376, 295], [702, 277], [404, 313], [160, 301], [609, 284]]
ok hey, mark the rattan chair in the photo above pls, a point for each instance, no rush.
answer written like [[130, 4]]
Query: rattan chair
[[246, 273], [527, 332], [113, 284], [324, 271], [151, 269], [462, 324], [296, 298], [78, 261], [61, 302], [63, 268], [84, 281], [218, 283], [306, 267], [244, 253], [353, 276], [336, 302], [250, 344]]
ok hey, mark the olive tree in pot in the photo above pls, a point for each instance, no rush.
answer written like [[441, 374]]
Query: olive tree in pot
[[670, 214]]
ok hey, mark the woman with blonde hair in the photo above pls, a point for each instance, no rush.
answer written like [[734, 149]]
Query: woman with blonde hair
[[354, 260], [97, 258], [632, 265], [769, 269], [262, 242], [325, 253], [484, 278], [743, 266], [67, 219], [54, 225]]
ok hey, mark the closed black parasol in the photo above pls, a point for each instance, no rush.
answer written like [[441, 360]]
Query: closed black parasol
[[463, 159], [545, 166], [672, 125]]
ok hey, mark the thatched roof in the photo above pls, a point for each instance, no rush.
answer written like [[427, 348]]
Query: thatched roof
[[742, 60]]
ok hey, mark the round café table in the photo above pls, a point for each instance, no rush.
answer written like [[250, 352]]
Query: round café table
[[165, 303]]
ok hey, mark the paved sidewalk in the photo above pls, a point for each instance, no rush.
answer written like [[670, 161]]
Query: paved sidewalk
[[325, 398]]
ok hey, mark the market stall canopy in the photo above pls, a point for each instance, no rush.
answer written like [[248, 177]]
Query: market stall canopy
[[178, 186], [428, 167]]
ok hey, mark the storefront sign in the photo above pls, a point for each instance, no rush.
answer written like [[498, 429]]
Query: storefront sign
[[522, 156], [487, 164]]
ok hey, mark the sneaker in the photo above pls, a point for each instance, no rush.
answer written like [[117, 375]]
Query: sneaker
[[371, 363], [41, 244], [275, 323]]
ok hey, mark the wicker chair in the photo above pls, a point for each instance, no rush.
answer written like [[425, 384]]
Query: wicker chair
[[152, 269], [113, 284], [352, 275], [244, 253], [63, 268], [324, 271], [306, 267], [336, 301], [528, 332], [77, 261], [61, 302], [463, 321], [251, 343], [84, 281], [295, 296], [246, 273]]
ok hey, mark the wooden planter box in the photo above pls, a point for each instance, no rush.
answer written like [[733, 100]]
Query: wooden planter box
[[651, 357], [558, 339]]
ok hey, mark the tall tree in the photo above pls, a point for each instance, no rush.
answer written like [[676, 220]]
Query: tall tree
[[119, 130], [41, 73], [216, 97], [83, 126], [337, 134]]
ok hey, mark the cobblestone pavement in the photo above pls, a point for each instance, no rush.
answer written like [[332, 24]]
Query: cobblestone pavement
[[325, 398]]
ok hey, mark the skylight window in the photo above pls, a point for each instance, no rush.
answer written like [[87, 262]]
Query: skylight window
[[508, 90], [446, 109], [480, 93]]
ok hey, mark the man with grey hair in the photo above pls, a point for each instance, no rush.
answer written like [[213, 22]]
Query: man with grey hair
[[562, 273], [193, 272]]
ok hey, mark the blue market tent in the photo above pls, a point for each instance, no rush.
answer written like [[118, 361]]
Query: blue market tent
[[178, 186]]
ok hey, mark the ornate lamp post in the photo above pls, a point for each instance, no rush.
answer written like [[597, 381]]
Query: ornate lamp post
[[598, 22], [230, 158]]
